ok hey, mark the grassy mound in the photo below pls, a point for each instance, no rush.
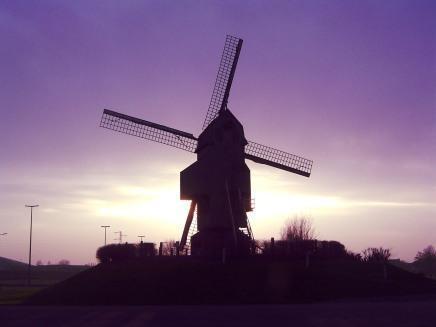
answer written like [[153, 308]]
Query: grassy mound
[[182, 280], [9, 264]]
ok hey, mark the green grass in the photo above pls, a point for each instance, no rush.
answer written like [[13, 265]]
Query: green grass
[[17, 294], [13, 280]]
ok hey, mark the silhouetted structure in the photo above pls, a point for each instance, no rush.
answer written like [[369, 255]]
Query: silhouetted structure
[[30, 242], [120, 237], [218, 183]]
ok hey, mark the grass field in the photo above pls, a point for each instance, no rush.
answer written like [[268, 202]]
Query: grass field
[[14, 294], [13, 279]]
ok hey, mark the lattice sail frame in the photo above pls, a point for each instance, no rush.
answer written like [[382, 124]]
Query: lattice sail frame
[[147, 130], [279, 159], [166, 135], [223, 82]]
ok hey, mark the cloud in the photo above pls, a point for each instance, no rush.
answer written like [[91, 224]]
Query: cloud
[[388, 204]]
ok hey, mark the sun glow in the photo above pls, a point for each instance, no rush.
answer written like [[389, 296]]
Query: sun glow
[[163, 203], [273, 203], [139, 203], [158, 208]]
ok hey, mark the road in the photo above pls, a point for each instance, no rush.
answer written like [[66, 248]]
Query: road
[[373, 314]]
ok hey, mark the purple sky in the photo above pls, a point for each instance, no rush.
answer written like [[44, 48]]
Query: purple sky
[[348, 84]]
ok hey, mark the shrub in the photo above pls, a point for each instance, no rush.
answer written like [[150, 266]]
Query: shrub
[[354, 256], [146, 250], [376, 254], [116, 253], [425, 261], [124, 252], [331, 249]]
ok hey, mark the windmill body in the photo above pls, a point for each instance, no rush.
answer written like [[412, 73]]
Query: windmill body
[[218, 183]]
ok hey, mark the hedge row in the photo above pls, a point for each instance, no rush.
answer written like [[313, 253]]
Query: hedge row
[[124, 252]]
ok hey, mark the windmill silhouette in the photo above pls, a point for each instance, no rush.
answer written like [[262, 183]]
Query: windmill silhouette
[[218, 183]]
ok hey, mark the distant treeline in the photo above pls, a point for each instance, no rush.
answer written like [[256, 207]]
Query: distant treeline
[[424, 263]]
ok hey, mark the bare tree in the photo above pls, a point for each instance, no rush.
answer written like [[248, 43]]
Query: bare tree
[[298, 229]]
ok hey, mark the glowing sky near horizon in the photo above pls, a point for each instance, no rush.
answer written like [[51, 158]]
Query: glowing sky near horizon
[[350, 85]]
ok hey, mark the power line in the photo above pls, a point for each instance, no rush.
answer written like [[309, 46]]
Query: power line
[[120, 236]]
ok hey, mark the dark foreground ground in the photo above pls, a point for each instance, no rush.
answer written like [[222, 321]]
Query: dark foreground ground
[[407, 312], [258, 280]]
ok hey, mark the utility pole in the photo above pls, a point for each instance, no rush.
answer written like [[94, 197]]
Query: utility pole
[[105, 227], [120, 236], [141, 237], [30, 243]]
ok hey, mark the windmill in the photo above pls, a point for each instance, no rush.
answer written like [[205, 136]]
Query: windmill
[[218, 182]]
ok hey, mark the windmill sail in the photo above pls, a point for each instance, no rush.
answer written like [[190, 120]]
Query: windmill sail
[[279, 159], [223, 82], [147, 130]]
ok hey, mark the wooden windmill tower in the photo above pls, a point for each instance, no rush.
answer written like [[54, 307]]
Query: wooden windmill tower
[[218, 183]]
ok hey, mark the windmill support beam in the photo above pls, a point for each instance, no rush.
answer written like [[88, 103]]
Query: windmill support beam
[[232, 218], [188, 224]]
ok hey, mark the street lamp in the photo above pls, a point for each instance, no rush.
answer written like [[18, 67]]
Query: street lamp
[[30, 244], [141, 237], [105, 227]]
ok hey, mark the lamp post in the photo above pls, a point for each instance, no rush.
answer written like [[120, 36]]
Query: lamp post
[[105, 227], [141, 237], [30, 243]]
